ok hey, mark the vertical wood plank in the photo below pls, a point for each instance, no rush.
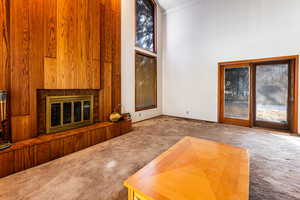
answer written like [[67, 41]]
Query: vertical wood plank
[[79, 142], [36, 58], [100, 135], [68, 145], [102, 46], [67, 43], [50, 28], [20, 128], [4, 45], [83, 51], [93, 74], [24, 158], [50, 73], [116, 5], [94, 20], [108, 23], [116, 62], [7, 163], [42, 152], [56, 149], [2, 51], [20, 104], [107, 97]]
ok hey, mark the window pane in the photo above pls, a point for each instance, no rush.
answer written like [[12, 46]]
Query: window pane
[[272, 93], [77, 111], [145, 24], [55, 114], [67, 112], [236, 93], [145, 82]]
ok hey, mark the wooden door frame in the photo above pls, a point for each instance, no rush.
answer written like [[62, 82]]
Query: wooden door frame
[[272, 125], [294, 64], [222, 119]]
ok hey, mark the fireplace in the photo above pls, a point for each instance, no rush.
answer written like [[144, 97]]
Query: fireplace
[[60, 110], [68, 112]]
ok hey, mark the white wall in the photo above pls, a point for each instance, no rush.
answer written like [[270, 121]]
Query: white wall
[[128, 63], [199, 36]]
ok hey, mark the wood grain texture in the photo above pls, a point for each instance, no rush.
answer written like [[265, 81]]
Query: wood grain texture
[[36, 58], [4, 45], [2, 48], [78, 61], [108, 33], [66, 47], [94, 19], [107, 91], [50, 73], [116, 61], [20, 126], [20, 57], [59, 44], [50, 28], [7, 163], [29, 153], [194, 169]]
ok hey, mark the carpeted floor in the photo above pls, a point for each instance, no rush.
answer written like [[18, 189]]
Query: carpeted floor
[[97, 173]]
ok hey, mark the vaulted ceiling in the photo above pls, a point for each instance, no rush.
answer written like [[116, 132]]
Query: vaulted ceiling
[[169, 4]]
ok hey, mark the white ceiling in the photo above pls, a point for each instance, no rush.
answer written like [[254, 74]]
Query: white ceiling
[[169, 4]]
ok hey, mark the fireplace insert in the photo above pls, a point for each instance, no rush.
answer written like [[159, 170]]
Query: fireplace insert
[[68, 112]]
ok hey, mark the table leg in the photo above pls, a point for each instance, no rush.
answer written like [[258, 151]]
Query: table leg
[[130, 194]]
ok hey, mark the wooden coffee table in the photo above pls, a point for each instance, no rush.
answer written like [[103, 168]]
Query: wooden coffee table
[[193, 169]]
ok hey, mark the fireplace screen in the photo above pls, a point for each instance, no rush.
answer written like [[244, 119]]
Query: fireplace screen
[[68, 112]]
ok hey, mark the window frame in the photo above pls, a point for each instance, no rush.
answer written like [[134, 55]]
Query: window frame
[[155, 29], [145, 52], [137, 52]]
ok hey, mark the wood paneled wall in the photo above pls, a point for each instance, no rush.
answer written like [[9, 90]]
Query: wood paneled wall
[[58, 44], [4, 45]]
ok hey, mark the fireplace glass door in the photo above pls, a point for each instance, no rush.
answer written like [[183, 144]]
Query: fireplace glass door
[[68, 112]]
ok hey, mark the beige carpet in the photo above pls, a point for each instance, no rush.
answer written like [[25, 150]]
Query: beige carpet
[[97, 173]]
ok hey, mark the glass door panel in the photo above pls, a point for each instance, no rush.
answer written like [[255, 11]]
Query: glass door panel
[[236, 93], [272, 94]]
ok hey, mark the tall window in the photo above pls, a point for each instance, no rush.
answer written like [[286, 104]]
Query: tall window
[[145, 24], [145, 56]]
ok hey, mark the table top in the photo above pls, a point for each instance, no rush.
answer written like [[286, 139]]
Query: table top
[[195, 169]]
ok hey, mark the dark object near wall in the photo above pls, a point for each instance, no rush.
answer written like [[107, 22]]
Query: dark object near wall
[[4, 123]]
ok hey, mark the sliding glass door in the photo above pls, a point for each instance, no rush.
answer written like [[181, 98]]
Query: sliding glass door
[[235, 95], [272, 95], [261, 94]]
